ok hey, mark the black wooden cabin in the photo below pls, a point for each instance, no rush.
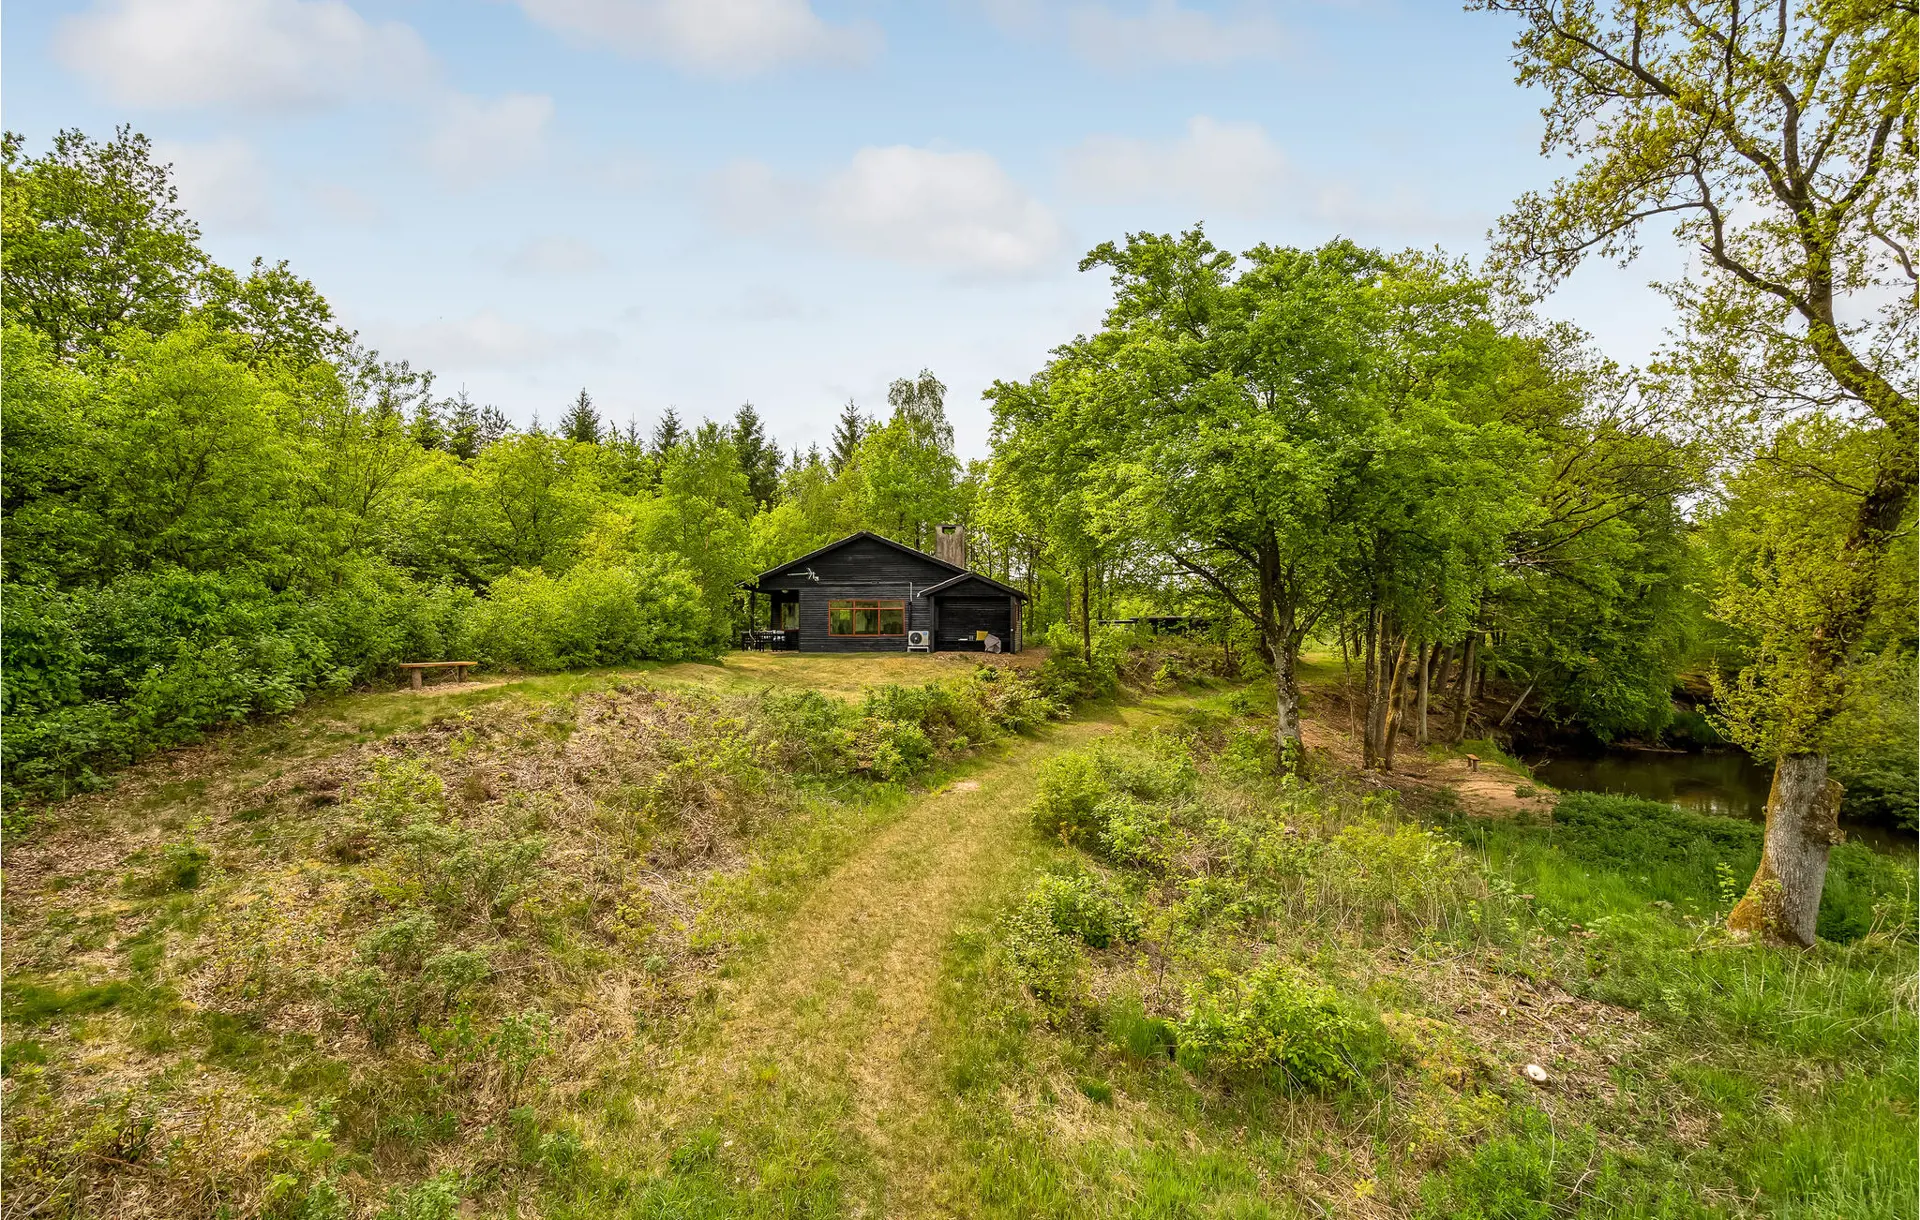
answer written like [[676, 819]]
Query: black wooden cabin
[[865, 593]]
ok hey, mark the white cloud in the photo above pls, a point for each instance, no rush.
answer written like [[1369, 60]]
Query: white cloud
[[554, 256], [715, 37], [276, 54], [1223, 167], [221, 182], [486, 339], [1166, 33], [474, 139], [953, 208], [958, 210]]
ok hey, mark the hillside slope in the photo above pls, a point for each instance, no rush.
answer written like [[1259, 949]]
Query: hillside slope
[[704, 941]]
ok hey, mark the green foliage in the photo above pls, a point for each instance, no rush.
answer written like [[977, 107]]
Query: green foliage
[[1083, 906], [438, 1198], [1111, 802], [646, 610], [1274, 1022], [95, 240], [1876, 748], [1069, 676], [897, 732], [1048, 962], [1068, 797], [1796, 585]]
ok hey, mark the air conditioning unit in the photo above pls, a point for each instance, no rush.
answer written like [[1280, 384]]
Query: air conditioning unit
[[919, 641]]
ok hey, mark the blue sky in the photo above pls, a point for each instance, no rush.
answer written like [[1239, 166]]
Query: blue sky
[[699, 202]]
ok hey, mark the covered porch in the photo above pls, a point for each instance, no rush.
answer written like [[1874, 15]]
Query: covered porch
[[780, 630]]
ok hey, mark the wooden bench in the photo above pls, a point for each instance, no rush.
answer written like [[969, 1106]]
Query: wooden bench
[[459, 669]]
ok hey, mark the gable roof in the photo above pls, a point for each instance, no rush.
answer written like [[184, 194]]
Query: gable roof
[[866, 534], [944, 585]]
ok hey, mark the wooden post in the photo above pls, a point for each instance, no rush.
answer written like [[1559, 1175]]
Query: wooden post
[[416, 678]]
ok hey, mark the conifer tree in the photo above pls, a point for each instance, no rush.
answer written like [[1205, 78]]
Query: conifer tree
[[495, 426], [847, 433], [581, 422], [759, 458], [462, 427], [667, 434]]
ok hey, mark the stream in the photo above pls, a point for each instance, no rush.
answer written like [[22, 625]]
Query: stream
[[1723, 782]]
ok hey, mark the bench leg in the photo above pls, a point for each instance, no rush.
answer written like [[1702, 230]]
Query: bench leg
[[416, 678], [459, 673]]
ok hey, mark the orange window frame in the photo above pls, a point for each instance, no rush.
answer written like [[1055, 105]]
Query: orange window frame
[[866, 617]]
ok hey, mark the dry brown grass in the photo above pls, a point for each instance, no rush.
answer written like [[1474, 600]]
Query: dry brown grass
[[587, 854]]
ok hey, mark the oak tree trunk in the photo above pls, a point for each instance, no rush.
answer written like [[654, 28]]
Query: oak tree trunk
[[1395, 705], [1086, 616], [1803, 824], [1286, 688], [1443, 669], [1463, 701], [1370, 684], [1428, 659]]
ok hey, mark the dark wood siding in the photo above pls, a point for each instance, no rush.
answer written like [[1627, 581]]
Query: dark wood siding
[[961, 617], [813, 615]]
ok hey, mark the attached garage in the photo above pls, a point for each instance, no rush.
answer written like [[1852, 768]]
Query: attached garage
[[971, 607]]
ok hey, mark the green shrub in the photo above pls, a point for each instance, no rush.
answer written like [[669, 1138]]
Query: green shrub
[[96, 677], [1068, 677], [803, 730], [884, 749], [897, 731], [1047, 961], [1278, 1024], [1070, 790], [1083, 906], [647, 608], [438, 1198], [1132, 832]]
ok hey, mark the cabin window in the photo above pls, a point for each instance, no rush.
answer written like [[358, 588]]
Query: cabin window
[[866, 618], [789, 616]]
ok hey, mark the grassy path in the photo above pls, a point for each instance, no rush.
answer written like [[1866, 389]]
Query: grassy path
[[817, 1067]]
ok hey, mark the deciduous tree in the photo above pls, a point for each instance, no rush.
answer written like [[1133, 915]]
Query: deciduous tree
[[1780, 141]]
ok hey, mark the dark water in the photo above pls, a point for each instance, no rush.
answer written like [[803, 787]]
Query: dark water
[[1725, 782]]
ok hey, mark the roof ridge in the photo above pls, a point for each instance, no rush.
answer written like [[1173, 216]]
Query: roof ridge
[[854, 537]]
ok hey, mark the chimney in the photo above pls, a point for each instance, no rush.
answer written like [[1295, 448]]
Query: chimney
[[950, 544]]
